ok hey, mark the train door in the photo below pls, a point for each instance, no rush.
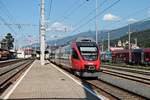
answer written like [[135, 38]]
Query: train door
[[75, 59]]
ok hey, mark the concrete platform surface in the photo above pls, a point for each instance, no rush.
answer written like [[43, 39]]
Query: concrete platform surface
[[47, 82]]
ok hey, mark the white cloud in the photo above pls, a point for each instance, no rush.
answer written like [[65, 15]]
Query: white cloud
[[110, 17], [132, 20], [58, 27]]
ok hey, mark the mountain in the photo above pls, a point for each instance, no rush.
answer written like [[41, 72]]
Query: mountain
[[70, 38], [114, 34], [138, 26]]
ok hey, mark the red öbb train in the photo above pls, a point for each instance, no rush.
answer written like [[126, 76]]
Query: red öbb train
[[82, 57]]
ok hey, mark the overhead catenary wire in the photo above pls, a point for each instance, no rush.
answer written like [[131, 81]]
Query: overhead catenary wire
[[93, 11], [50, 8], [5, 23], [10, 18], [7, 13], [17, 24], [9, 21], [80, 26], [70, 11], [137, 22], [134, 13]]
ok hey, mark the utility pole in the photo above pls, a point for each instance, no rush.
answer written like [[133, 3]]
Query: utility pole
[[42, 34], [135, 42], [108, 41], [102, 45], [96, 24], [129, 43]]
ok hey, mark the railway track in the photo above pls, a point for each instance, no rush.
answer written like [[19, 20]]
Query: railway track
[[128, 69], [112, 91], [142, 76], [145, 79], [137, 83], [9, 62], [9, 73]]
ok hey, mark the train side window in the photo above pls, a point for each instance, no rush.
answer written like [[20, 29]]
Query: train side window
[[75, 54]]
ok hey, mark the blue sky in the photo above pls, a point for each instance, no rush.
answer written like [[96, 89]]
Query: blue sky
[[66, 14]]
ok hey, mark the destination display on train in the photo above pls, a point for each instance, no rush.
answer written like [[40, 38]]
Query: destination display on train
[[88, 48], [86, 44]]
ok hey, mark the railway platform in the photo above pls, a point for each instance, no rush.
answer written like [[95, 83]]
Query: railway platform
[[48, 82]]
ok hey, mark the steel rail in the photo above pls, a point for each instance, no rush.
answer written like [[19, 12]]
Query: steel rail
[[11, 74]]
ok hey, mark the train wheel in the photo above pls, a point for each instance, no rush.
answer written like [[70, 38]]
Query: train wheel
[[75, 73], [72, 71]]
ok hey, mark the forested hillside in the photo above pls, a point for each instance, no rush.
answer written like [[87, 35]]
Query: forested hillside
[[143, 39]]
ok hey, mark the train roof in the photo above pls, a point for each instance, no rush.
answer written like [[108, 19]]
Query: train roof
[[116, 48], [85, 39], [121, 51], [137, 50], [142, 50], [146, 49], [1, 49]]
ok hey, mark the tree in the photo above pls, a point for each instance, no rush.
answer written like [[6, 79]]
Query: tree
[[9, 39]]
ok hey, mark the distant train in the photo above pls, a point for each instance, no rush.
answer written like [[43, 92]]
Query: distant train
[[82, 57], [138, 56], [141, 56], [4, 54]]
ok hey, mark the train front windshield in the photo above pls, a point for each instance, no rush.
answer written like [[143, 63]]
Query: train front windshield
[[88, 51]]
